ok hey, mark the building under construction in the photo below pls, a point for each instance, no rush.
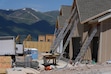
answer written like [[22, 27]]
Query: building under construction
[[83, 31], [43, 44]]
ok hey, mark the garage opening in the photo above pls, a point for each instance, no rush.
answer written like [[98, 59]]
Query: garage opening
[[94, 50], [76, 42]]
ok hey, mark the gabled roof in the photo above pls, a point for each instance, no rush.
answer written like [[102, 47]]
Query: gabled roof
[[65, 10], [91, 9], [61, 20]]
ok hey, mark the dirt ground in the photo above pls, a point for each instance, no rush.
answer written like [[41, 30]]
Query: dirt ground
[[82, 69]]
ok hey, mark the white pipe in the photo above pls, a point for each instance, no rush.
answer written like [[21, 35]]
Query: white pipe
[[109, 10], [104, 18]]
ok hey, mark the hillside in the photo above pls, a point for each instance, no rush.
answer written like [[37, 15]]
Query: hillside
[[27, 21]]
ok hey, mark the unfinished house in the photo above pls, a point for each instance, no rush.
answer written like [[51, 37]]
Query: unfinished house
[[65, 11], [41, 38], [63, 16], [43, 44], [87, 31]]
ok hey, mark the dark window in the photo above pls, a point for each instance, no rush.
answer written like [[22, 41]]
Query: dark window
[[48, 40]]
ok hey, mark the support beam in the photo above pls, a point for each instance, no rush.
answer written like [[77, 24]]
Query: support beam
[[71, 50], [86, 44], [69, 37], [87, 55], [62, 34]]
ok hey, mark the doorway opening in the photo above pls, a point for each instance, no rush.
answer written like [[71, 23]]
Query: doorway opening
[[76, 42], [94, 49]]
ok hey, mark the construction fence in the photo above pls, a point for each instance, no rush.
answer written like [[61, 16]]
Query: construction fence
[[41, 46]]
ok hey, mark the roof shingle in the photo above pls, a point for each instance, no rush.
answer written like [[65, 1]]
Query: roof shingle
[[90, 9]]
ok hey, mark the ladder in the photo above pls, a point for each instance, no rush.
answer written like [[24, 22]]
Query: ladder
[[86, 44], [62, 34]]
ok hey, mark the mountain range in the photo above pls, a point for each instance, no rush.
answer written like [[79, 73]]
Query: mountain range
[[27, 21]]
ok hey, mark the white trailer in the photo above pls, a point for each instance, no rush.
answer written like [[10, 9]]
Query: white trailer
[[19, 48], [7, 45]]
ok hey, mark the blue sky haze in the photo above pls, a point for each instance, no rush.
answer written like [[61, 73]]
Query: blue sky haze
[[41, 5]]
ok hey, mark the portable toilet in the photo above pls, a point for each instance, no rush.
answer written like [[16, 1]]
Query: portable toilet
[[33, 52]]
